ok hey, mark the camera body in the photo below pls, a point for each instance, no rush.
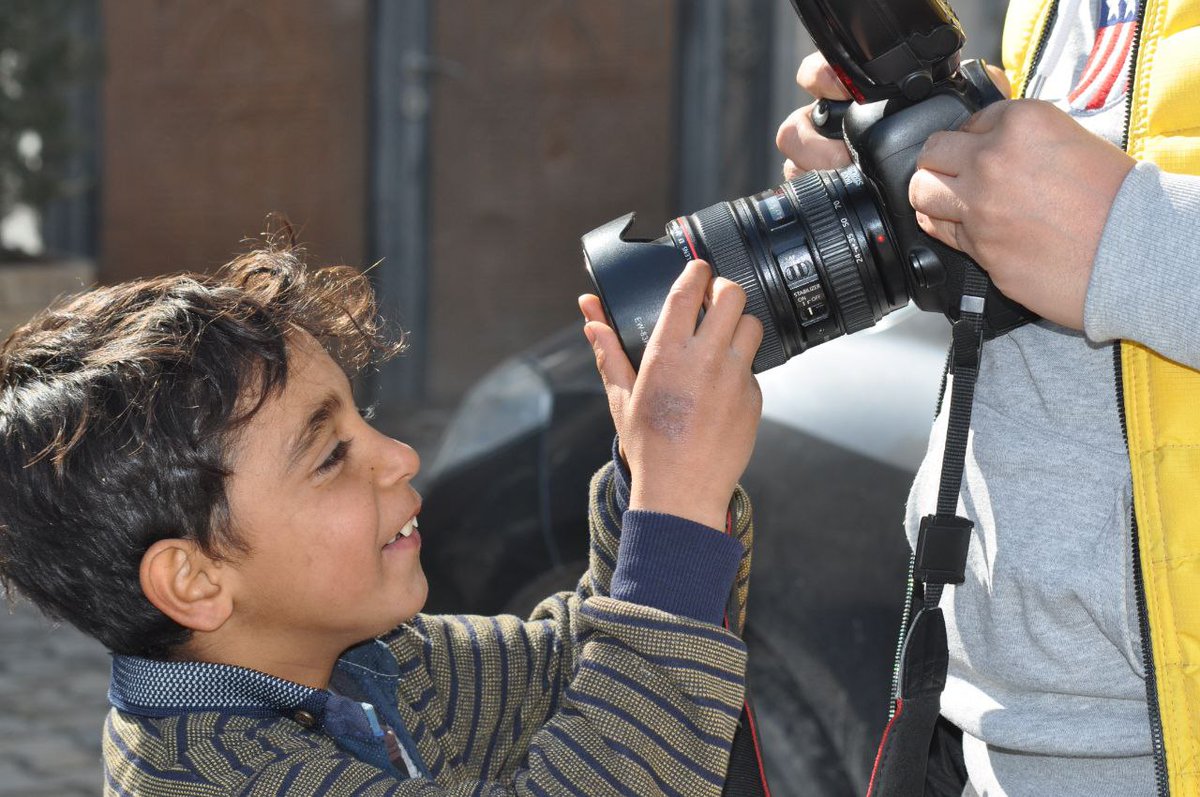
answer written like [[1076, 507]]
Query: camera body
[[831, 252], [885, 138]]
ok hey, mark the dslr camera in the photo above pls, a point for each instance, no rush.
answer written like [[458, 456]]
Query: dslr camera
[[829, 253]]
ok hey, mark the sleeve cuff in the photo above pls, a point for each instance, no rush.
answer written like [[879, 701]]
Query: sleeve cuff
[[621, 477], [1145, 284], [675, 565]]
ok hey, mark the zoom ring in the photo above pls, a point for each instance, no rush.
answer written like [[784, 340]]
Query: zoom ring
[[731, 259], [832, 247]]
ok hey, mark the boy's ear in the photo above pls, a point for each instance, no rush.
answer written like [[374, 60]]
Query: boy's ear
[[187, 585]]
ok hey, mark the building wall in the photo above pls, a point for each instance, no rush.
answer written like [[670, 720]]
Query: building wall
[[217, 113], [549, 119]]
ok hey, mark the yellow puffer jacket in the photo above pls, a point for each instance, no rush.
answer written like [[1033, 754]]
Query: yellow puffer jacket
[[1161, 398]]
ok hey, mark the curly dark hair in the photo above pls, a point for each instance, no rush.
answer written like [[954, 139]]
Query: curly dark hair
[[119, 408]]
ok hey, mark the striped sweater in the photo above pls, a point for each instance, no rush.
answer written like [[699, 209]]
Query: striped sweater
[[626, 686]]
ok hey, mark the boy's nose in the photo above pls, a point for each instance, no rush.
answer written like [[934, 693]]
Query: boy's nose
[[397, 461]]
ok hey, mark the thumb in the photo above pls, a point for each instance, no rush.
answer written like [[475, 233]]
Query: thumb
[[614, 366], [1000, 78]]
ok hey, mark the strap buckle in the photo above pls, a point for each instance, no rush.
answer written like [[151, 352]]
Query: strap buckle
[[941, 555]]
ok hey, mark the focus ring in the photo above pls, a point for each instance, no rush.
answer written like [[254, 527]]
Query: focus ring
[[829, 240], [731, 259]]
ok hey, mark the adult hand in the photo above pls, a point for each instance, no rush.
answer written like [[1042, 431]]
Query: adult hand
[[799, 141], [1025, 191], [687, 420], [805, 148]]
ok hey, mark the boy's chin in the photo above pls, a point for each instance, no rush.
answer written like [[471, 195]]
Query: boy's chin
[[411, 604]]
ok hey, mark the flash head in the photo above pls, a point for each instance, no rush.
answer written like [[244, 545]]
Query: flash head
[[884, 49]]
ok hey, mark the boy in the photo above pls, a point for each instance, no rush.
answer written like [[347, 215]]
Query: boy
[[186, 479]]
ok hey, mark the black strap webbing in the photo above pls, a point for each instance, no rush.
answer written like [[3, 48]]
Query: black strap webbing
[[940, 558]]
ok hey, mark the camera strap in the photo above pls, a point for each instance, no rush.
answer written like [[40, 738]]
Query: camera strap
[[940, 558]]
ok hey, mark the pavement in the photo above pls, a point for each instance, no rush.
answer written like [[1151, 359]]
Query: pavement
[[52, 686], [54, 680]]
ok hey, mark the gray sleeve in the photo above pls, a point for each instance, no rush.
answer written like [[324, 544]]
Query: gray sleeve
[[1145, 283]]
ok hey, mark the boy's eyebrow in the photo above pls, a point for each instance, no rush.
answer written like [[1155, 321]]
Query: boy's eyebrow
[[311, 430]]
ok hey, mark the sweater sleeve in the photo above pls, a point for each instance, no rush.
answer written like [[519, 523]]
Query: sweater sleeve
[[1145, 283], [626, 685]]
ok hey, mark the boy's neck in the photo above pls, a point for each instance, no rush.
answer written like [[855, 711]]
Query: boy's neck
[[306, 662]]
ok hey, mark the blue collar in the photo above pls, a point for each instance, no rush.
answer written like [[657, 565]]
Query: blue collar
[[367, 672], [154, 688]]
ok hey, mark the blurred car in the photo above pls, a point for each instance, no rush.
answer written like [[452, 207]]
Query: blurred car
[[844, 428]]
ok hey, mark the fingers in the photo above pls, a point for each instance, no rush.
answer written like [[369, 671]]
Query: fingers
[[680, 310], [948, 152], [805, 148], [747, 337], [591, 307], [936, 195], [940, 210], [986, 120], [948, 232], [615, 369], [1000, 78], [728, 304], [727, 326], [817, 78]]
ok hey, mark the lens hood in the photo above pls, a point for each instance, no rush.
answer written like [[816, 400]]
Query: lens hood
[[637, 276]]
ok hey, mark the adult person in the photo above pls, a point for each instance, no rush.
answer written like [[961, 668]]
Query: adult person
[[1073, 667]]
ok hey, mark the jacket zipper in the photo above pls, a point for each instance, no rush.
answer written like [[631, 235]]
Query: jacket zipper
[[1139, 591], [1139, 588], [1040, 51]]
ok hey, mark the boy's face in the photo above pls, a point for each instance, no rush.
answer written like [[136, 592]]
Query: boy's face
[[320, 498]]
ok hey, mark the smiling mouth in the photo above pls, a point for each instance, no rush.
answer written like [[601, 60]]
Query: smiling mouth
[[405, 532]]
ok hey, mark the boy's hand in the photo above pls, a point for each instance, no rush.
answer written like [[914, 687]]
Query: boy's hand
[[1024, 190], [687, 421], [805, 148]]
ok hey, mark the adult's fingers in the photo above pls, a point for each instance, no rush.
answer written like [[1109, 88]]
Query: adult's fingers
[[936, 195], [807, 149], [948, 232], [987, 119], [817, 78], [1000, 78], [948, 152]]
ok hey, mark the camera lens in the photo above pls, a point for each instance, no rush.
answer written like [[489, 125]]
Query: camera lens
[[814, 256]]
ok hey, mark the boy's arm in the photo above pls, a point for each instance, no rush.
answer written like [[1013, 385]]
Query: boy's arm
[[593, 695], [629, 684]]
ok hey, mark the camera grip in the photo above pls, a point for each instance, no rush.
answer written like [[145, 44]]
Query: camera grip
[[827, 117], [886, 146]]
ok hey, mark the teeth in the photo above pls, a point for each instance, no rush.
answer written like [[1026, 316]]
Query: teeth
[[407, 531]]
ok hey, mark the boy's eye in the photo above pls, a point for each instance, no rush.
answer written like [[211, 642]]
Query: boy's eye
[[367, 412], [335, 456]]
